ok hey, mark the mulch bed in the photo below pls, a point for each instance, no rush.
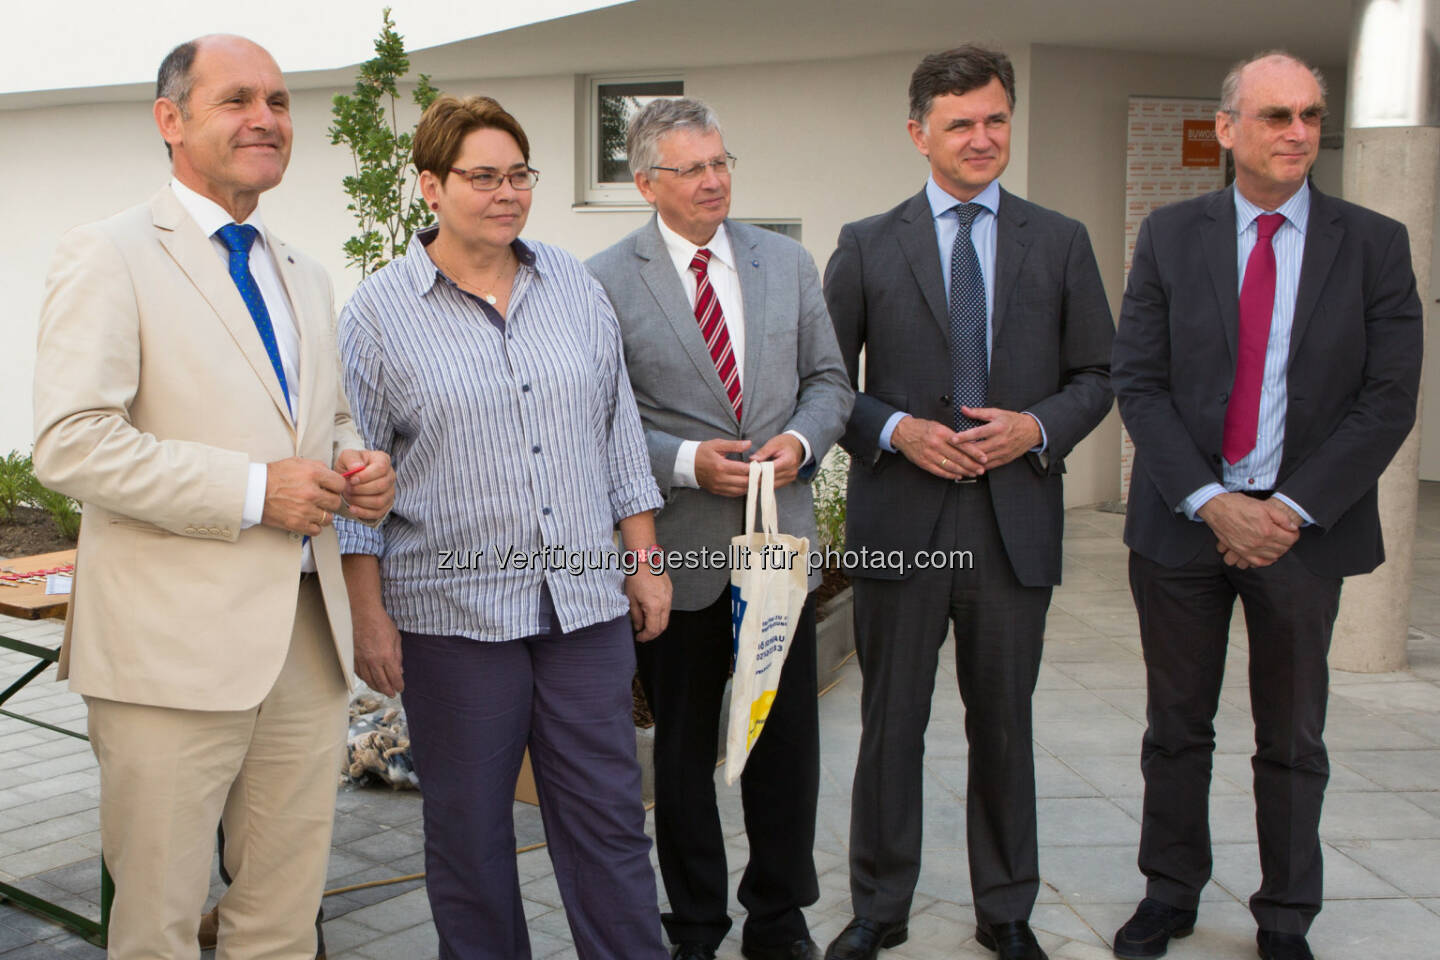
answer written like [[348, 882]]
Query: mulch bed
[[29, 531]]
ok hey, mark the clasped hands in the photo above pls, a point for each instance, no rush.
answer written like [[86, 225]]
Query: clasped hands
[[1251, 532], [718, 474], [303, 495], [956, 455]]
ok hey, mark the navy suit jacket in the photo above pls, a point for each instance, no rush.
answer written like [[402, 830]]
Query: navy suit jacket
[[1050, 351], [1354, 372]]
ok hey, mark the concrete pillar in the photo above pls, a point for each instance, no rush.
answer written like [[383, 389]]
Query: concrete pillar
[[1392, 165]]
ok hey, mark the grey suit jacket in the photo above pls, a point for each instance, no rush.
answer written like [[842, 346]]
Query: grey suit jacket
[[1050, 355], [794, 379]]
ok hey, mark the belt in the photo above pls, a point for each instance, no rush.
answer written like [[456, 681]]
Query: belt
[[308, 575], [1258, 494], [969, 480]]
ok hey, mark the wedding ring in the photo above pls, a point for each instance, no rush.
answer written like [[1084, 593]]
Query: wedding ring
[[943, 461]]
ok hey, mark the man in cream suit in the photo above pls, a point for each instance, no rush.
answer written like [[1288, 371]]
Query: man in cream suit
[[187, 392], [732, 357]]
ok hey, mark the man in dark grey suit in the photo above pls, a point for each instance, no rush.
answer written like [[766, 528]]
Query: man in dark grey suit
[[732, 358], [987, 342], [1267, 366]]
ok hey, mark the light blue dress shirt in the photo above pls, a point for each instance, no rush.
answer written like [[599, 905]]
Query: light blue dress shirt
[[1258, 469]]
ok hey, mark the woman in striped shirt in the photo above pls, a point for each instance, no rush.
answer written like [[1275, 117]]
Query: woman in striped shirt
[[491, 371]]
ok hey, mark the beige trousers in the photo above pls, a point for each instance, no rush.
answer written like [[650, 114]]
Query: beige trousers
[[167, 777]]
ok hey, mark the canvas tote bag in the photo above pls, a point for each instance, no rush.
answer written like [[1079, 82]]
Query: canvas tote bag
[[768, 586]]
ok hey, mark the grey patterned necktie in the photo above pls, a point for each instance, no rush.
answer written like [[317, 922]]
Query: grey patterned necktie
[[969, 363]]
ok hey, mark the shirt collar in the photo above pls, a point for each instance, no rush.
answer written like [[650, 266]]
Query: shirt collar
[[423, 272], [942, 202], [682, 251], [210, 215], [1296, 210]]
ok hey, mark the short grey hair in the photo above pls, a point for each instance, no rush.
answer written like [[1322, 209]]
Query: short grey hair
[[659, 118], [176, 77], [1230, 87]]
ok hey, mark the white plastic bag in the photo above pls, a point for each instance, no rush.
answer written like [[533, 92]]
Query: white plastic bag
[[768, 586]]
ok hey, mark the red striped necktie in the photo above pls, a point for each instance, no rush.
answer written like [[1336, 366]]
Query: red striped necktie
[[712, 327]]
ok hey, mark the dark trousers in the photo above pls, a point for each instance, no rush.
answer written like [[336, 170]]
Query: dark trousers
[[900, 626], [683, 672], [1184, 628], [473, 707]]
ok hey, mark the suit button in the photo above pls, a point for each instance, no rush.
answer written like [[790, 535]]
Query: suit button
[[190, 531], [945, 400], [1224, 398], [294, 537]]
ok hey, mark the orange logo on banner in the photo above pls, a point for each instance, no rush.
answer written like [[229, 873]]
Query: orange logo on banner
[[1200, 148]]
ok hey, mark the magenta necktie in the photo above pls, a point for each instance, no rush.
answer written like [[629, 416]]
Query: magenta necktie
[[1257, 306], [712, 327]]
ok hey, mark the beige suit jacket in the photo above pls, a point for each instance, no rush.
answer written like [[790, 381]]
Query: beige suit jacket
[[153, 394]]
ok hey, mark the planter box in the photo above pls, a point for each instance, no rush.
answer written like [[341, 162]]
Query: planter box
[[834, 642]]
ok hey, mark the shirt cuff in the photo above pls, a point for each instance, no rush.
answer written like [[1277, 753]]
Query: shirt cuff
[[1044, 441], [685, 465], [809, 456], [889, 429], [254, 508], [1191, 504], [1309, 520]]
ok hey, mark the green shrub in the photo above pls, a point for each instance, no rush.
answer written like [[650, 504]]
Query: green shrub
[[17, 483], [829, 492], [63, 510]]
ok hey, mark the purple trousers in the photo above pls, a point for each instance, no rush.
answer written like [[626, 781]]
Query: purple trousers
[[473, 707]]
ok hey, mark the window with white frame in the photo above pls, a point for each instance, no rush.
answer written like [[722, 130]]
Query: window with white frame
[[611, 102]]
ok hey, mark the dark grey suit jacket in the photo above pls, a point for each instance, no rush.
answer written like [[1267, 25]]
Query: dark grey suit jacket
[[1050, 355], [1355, 354], [793, 379]]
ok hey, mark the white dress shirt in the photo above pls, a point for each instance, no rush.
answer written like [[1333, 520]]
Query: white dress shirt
[[725, 281], [211, 217]]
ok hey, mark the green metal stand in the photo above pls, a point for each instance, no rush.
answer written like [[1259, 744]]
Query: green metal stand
[[95, 933]]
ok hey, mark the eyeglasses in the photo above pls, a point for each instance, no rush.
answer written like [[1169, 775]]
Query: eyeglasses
[[720, 166], [1280, 118], [482, 178]]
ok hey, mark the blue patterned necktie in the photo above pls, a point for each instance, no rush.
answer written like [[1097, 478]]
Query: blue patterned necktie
[[238, 238], [969, 360]]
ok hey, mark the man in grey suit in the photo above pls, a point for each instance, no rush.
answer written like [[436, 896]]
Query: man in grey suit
[[733, 358], [987, 340]]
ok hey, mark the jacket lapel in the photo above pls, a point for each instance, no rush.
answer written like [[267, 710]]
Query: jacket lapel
[[751, 271], [1012, 241], [659, 275], [917, 242], [299, 308], [195, 255], [1323, 234], [1218, 240]]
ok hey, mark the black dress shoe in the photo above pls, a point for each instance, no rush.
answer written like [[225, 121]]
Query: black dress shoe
[[1011, 940], [1282, 946], [862, 939], [805, 949], [1147, 934], [693, 951]]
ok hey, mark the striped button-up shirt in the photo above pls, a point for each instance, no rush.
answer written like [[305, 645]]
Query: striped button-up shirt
[[516, 446], [1258, 469]]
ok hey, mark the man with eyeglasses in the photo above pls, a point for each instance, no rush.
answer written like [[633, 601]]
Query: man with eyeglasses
[[732, 358], [1266, 365], [987, 342]]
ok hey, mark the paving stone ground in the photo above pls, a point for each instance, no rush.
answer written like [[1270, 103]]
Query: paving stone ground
[[1381, 827]]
